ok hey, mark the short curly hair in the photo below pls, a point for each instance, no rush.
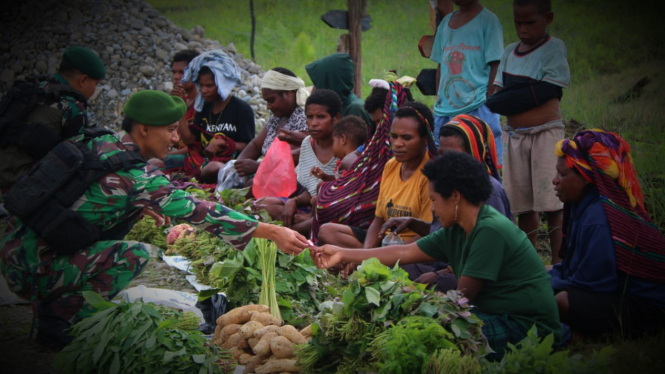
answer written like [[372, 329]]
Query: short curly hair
[[410, 109], [327, 98], [457, 171], [185, 56], [353, 127]]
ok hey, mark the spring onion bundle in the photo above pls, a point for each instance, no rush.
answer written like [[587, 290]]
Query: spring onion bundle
[[267, 252]]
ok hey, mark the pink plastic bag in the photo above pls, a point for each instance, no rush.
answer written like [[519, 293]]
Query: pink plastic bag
[[276, 175]]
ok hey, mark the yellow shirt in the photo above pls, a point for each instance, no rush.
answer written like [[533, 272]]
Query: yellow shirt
[[398, 198]]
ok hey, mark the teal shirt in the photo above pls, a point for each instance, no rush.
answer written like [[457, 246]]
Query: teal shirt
[[498, 252], [464, 54]]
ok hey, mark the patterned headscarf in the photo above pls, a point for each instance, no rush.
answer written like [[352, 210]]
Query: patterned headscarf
[[478, 139], [431, 145], [603, 158]]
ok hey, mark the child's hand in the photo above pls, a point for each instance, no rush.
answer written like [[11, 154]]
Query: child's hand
[[317, 172]]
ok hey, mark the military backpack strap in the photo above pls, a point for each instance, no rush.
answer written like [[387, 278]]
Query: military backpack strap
[[42, 198]]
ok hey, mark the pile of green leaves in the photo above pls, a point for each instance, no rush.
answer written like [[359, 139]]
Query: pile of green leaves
[[408, 346], [145, 231], [298, 282], [533, 355], [451, 361], [375, 299], [140, 338]]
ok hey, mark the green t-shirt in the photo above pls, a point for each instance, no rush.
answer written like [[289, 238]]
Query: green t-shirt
[[516, 283]]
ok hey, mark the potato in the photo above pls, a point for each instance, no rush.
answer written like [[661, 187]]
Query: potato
[[262, 348], [217, 337], [281, 347], [227, 331], [244, 358], [262, 331], [266, 319], [232, 341], [277, 366], [247, 330], [252, 364], [236, 352], [234, 317], [307, 331], [292, 334], [242, 344], [241, 314], [252, 342]]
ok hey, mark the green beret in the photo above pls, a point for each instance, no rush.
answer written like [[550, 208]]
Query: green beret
[[84, 60], [155, 108]]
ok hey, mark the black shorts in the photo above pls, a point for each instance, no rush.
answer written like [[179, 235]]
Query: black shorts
[[359, 233], [595, 314]]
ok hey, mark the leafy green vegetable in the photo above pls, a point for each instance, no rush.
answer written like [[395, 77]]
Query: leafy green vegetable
[[451, 361], [531, 355], [407, 346], [376, 299], [140, 338], [146, 231]]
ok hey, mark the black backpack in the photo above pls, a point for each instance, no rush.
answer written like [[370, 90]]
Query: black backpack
[[41, 199], [36, 138]]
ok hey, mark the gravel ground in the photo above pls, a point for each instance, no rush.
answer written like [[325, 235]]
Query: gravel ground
[[20, 354]]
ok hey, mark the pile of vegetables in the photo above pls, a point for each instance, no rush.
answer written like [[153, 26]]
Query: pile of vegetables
[[349, 334], [256, 339], [140, 338], [145, 231]]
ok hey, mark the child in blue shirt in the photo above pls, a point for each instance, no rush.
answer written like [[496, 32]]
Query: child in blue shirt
[[468, 47], [531, 76]]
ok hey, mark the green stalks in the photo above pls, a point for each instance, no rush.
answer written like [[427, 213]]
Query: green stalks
[[267, 252]]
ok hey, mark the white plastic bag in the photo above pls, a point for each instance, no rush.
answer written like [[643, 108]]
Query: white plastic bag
[[228, 178], [184, 301]]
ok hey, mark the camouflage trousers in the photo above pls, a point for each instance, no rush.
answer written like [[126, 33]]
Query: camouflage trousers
[[34, 273]]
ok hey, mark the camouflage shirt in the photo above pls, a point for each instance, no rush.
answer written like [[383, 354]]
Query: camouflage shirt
[[118, 195]]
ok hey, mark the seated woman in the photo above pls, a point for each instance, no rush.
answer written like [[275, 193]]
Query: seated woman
[[403, 190], [285, 95], [471, 135], [612, 278], [223, 124], [322, 110], [496, 266]]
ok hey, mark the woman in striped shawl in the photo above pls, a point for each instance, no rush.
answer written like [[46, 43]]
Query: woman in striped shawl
[[612, 278]]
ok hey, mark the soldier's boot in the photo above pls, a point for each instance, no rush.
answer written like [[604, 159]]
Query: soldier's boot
[[51, 329]]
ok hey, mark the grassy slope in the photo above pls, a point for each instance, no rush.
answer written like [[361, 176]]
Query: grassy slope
[[611, 45]]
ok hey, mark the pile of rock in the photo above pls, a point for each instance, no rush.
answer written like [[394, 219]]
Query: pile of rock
[[135, 42]]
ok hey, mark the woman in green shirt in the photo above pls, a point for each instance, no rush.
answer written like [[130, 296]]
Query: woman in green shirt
[[497, 267]]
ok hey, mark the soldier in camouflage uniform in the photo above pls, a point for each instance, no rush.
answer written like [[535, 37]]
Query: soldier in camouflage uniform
[[80, 69], [33, 271]]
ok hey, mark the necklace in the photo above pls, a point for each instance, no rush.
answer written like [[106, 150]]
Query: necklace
[[219, 115]]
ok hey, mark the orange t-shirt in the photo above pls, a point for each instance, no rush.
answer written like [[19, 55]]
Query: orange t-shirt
[[409, 198]]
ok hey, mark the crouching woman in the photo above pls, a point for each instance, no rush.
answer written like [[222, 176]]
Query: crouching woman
[[612, 277], [498, 269]]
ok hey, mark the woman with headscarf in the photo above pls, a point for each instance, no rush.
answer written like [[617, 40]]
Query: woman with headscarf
[[223, 124], [612, 278], [285, 95]]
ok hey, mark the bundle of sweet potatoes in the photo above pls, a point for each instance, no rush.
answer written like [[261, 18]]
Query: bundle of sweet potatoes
[[256, 339]]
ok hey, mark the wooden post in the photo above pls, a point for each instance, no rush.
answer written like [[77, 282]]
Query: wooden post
[[357, 9]]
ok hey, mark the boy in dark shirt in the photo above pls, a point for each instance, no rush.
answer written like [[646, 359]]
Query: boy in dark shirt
[[531, 76]]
